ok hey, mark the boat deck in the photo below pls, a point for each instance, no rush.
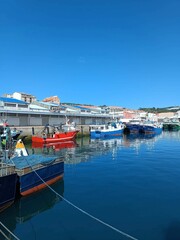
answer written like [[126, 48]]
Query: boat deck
[[6, 169], [24, 164]]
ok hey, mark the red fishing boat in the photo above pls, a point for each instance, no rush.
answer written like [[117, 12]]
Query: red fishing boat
[[64, 132]]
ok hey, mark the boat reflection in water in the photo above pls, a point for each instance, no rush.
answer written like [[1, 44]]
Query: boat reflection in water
[[34, 204], [89, 148], [26, 208], [136, 141], [83, 149], [52, 148], [106, 145], [55, 146]]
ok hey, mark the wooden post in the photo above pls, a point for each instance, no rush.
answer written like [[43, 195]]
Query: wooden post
[[32, 130], [82, 130]]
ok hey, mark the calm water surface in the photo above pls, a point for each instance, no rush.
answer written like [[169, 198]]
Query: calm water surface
[[131, 183]]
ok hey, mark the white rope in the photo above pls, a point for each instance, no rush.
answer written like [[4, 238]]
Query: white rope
[[88, 214], [9, 231], [4, 235]]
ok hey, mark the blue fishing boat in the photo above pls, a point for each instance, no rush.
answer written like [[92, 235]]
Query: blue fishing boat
[[111, 129], [133, 126], [151, 127], [35, 172]]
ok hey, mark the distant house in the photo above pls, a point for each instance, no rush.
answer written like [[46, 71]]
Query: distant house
[[166, 115], [129, 114], [53, 99], [22, 96], [115, 111]]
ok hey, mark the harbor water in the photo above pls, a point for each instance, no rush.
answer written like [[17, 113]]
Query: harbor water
[[121, 188]]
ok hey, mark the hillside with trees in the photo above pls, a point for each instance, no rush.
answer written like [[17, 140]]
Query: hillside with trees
[[160, 110]]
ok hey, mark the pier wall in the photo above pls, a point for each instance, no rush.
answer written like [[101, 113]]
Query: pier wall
[[25, 121], [28, 130]]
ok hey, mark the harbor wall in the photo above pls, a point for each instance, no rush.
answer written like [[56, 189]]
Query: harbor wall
[[28, 130]]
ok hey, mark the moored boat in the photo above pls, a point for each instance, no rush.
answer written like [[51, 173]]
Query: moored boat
[[111, 129], [5, 129], [171, 124], [166, 124], [133, 126], [64, 132], [35, 172], [151, 127]]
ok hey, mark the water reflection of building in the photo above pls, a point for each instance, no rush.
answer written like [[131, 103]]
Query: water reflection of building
[[25, 208]]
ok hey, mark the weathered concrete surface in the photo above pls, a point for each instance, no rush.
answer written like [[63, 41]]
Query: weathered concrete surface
[[27, 130]]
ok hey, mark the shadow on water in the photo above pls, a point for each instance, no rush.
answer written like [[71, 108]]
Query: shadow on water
[[28, 207], [173, 231]]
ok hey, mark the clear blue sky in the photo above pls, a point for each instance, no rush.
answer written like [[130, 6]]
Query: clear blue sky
[[113, 52]]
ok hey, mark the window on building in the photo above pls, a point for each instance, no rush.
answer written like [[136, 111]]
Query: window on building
[[22, 106]]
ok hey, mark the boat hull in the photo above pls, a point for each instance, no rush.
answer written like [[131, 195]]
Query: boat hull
[[38, 179], [133, 128], [105, 134], [59, 137], [174, 127], [7, 190], [151, 130]]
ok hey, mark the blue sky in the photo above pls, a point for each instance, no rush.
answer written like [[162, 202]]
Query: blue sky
[[102, 52]]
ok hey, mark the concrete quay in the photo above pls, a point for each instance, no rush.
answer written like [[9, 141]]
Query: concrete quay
[[28, 130]]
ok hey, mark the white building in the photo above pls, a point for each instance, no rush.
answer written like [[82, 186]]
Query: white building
[[22, 96]]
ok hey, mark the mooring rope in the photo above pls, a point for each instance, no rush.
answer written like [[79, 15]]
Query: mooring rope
[[4, 235], [8, 231], [86, 213]]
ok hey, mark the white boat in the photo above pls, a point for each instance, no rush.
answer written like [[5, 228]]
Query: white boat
[[5, 131], [111, 129]]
